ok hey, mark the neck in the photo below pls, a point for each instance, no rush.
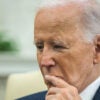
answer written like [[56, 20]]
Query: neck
[[94, 74]]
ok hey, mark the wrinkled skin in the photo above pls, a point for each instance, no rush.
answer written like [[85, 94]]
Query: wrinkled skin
[[65, 58]]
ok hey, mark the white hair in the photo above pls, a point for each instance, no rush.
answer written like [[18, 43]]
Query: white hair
[[90, 18], [54, 3]]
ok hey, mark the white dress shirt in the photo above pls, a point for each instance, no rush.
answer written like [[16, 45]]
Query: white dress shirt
[[90, 91]]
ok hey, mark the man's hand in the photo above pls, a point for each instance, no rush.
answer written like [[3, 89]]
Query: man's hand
[[61, 90]]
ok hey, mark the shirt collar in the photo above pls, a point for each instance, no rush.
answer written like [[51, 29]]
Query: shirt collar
[[90, 91]]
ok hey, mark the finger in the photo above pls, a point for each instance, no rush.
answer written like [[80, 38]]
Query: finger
[[56, 81], [54, 97], [53, 90], [50, 97]]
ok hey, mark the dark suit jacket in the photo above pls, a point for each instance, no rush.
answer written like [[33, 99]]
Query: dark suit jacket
[[41, 96]]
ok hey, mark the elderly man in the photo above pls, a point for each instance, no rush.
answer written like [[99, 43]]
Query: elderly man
[[68, 50]]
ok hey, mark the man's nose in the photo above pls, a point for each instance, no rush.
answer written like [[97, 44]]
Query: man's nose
[[47, 60]]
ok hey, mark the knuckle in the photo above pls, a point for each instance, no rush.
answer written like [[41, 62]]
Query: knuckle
[[58, 96], [51, 89], [75, 90], [64, 91], [49, 98]]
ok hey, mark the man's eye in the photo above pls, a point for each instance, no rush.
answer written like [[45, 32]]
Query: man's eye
[[58, 47], [40, 47]]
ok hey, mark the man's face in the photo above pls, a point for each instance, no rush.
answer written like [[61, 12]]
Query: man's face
[[62, 50]]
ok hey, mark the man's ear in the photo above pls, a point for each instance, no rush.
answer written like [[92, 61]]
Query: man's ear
[[97, 49]]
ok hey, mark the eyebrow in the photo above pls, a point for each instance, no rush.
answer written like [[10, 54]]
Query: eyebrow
[[56, 41]]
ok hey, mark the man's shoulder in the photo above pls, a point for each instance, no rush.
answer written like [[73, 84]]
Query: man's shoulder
[[41, 96], [36, 96]]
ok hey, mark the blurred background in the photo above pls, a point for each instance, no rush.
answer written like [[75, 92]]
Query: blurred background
[[17, 50]]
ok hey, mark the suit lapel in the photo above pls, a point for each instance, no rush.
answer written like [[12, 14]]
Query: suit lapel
[[97, 95]]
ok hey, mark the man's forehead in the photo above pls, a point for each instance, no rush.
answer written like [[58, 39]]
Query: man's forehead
[[62, 9], [59, 14]]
